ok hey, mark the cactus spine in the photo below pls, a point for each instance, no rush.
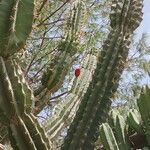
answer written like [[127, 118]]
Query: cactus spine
[[125, 18]]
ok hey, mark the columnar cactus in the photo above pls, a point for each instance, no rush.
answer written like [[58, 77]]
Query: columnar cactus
[[65, 110], [55, 73], [16, 112], [16, 98], [125, 18]]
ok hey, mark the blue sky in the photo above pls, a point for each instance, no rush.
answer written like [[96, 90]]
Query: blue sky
[[145, 25]]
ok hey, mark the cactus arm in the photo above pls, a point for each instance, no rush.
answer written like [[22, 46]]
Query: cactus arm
[[21, 27], [6, 92], [108, 138], [18, 91], [69, 106], [6, 7], [35, 133], [21, 135], [29, 97], [112, 118], [15, 95], [15, 28], [120, 133], [134, 121], [143, 104], [12, 139], [42, 132], [20, 125], [119, 126]]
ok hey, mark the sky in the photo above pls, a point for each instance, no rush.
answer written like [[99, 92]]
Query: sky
[[145, 25]]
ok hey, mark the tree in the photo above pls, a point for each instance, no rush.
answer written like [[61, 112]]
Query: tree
[[58, 40]]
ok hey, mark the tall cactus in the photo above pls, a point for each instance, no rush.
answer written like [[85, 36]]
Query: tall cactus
[[16, 114], [16, 98], [125, 18], [65, 110], [55, 73]]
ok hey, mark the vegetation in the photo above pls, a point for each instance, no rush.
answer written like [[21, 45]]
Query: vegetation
[[41, 44], [132, 132]]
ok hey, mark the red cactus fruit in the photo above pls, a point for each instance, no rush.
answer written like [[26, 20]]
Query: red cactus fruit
[[77, 72]]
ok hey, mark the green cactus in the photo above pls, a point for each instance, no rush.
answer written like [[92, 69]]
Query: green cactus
[[14, 29], [112, 117], [119, 127], [65, 111], [143, 104], [136, 120], [55, 73], [120, 130], [7, 100], [22, 129], [16, 98], [107, 137], [83, 132]]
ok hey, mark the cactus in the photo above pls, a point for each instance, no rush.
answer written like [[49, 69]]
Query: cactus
[[22, 129], [55, 73], [120, 129], [65, 110], [136, 120], [143, 104], [108, 138], [83, 132], [14, 29], [112, 117], [16, 98], [117, 131]]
